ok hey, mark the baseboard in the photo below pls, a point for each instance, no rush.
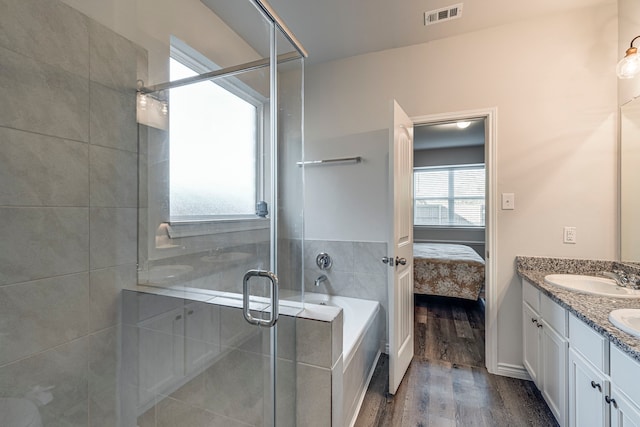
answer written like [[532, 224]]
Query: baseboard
[[364, 391], [513, 371]]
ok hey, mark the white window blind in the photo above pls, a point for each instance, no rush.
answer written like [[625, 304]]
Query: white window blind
[[450, 196]]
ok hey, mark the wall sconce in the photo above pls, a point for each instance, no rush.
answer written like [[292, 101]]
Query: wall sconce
[[629, 66]]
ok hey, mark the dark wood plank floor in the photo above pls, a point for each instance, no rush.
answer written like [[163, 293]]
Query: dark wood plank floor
[[447, 383]]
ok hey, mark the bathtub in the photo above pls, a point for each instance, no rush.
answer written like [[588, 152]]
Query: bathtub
[[361, 338]]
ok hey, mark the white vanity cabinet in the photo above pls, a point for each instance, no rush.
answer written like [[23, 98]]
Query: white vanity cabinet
[[175, 345], [624, 397], [587, 389], [585, 380], [604, 382], [588, 375], [545, 348]]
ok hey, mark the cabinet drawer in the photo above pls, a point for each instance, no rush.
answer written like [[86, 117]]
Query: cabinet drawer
[[554, 315], [593, 346], [625, 373], [531, 295]]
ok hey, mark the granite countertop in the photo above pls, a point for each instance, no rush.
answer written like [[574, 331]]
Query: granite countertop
[[592, 309]]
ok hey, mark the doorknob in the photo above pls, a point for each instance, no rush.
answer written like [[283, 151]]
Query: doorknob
[[401, 261]]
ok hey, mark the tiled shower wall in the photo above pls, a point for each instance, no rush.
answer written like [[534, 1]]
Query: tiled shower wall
[[68, 167]]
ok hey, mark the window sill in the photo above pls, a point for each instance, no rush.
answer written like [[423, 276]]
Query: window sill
[[178, 230]]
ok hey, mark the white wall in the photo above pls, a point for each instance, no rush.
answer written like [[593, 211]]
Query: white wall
[[553, 82]]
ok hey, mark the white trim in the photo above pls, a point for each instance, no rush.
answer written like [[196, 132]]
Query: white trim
[[513, 371], [491, 230], [177, 230]]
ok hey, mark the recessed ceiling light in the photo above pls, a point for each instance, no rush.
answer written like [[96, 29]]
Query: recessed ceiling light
[[463, 124]]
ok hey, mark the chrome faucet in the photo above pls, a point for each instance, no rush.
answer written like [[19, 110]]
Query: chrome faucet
[[618, 275], [320, 279], [623, 279]]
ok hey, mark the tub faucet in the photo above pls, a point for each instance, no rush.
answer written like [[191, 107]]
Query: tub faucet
[[320, 279]]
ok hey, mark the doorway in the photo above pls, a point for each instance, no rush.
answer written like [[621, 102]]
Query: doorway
[[485, 246]]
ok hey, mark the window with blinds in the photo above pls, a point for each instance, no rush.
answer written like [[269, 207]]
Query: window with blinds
[[449, 196]]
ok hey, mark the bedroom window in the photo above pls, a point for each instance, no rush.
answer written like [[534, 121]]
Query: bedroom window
[[449, 196]]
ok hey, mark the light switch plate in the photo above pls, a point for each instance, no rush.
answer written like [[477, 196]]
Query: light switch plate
[[508, 201]]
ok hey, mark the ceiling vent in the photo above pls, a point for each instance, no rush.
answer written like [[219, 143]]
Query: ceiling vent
[[444, 14]]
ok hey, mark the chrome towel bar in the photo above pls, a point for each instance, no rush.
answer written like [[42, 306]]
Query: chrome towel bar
[[357, 159]]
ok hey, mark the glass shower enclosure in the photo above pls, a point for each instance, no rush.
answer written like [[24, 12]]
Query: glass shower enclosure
[[220, 225], [151, 211]]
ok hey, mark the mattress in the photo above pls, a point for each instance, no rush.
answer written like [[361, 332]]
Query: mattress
[[447, 270]]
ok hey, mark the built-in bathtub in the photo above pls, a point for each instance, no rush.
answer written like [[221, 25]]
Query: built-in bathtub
[[361, 339]]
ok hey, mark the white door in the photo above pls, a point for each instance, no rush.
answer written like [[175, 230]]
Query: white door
[[400, 246]]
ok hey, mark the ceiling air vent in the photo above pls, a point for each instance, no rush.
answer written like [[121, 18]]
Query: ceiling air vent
[[445, 14]]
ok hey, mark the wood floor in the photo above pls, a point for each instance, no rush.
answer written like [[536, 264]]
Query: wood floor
[[447, 383]]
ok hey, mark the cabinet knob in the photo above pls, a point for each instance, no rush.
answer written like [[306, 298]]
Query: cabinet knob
[[611, 401], [534, 320], [596, 385], [539, 325]]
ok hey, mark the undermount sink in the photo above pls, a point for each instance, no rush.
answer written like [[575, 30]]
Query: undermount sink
[[601, 286], [626, 319]]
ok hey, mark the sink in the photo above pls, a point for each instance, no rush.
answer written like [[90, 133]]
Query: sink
[[626, 319], [601, 286]]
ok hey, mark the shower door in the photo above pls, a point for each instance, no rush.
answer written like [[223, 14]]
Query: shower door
[[211, 328]]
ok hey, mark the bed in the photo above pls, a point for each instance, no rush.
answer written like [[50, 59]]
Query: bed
[[447, 270]]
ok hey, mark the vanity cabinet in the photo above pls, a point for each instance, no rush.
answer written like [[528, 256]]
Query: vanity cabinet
[[545, 348], [604, 382], [173, 347], [585, 379], [624, 413], [624, 399], [587, 389]]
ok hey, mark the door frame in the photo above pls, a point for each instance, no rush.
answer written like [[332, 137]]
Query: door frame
[[490, 115]]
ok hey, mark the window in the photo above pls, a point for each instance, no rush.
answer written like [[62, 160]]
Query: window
[[215, 149], [449, 196]]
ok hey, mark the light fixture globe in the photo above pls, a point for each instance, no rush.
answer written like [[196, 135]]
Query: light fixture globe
[[629, 66]]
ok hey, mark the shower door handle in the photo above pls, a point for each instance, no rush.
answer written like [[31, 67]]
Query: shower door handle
[[246, 310]]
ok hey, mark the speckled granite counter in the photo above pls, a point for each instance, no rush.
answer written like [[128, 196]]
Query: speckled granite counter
[[592, 309]]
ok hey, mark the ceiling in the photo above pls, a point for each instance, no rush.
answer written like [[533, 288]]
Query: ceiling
[[448, 135], [334, 29]]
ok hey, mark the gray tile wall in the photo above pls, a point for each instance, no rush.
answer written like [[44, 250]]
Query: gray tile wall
[[68, 167], [357, 271]]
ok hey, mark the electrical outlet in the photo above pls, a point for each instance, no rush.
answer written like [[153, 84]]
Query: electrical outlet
[[569, 235]]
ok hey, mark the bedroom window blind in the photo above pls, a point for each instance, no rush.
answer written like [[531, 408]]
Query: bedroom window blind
[[450, 196]]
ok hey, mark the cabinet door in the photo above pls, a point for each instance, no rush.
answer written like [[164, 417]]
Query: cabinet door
[[586, 393], [623, 412], [553, 371], [161, 357], [531, 343], [201, 336]]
